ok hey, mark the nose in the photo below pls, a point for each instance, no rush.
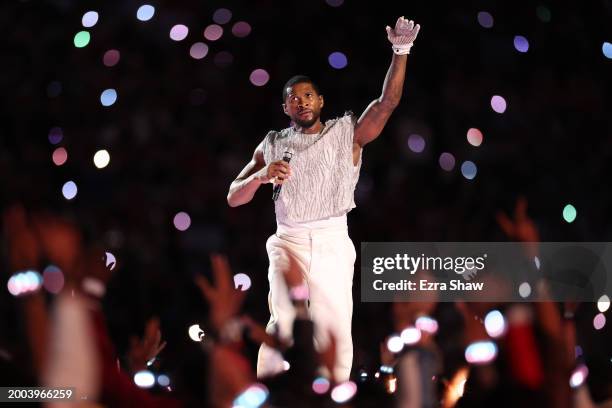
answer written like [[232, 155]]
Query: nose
[[303, 103]]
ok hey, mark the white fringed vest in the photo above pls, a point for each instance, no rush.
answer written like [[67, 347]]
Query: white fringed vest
[[323, 177]]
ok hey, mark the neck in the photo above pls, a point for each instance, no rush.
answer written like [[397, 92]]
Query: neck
[[315, 128]]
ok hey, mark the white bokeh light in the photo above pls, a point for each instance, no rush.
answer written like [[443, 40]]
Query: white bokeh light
[[242, 281], [495, 324], [196, 333], [603, 303], [410, 335], [69, 190], [144, 379], [89, 19], [101, 159], [395, 344], [145, 12]]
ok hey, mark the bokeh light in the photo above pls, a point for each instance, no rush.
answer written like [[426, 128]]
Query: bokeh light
[[108, 97], [344, 392], [81, 39], [242, 281], [606, 48], [163, 380], [427, 324], [196, 333], [521, 43], [59, 156], [101, 159], [481, 352], [320, 385], [144, 379], [223, 59], [416, 143], [89, 19], [111, 58], [252, 397], [337, 60], [24, 282], [569, 213], [543, 13], [603, 303], [599, 321], [498, 104], [145, 12], [579, 375], [69, 190], [213, 32], [198, 50], [179, 32], [485, 19], [110, 260], [474, 137], [395, 344], [447, 161], [182, 221], [222, 16], [53, 279], [241, 29], [410, 335], [55, 135], [259, 77], [495, 324], [469, 169], [524, 289], [334, 3]]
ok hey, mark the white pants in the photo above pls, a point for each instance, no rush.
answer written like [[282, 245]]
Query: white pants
[[326, 258]]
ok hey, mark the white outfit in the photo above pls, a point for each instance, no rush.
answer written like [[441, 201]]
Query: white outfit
[[312, 229]]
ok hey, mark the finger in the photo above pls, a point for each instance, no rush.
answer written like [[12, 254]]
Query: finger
[[280, 170], [281, 176], [205, 287], [388, 30], [505, 224], [222, 272], [152, 326], [238, 298], [416, 30], [521, 209], [410, 25]]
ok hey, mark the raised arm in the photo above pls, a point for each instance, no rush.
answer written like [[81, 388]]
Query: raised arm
[[254, 174], [373, 120]]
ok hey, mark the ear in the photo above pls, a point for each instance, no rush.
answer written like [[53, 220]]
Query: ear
[[321, 100], [285, 109]]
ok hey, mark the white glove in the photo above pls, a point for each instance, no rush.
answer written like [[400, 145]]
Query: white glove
[[403, 35]]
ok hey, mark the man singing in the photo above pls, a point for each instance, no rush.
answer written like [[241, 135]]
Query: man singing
[[317, 192]]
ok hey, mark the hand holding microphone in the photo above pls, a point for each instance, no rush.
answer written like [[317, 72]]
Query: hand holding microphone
[[280, 172]]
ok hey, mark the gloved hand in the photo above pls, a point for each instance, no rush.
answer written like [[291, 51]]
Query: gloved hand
[[403, 35]]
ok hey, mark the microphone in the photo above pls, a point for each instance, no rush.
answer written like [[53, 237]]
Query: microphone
[[277, 188]]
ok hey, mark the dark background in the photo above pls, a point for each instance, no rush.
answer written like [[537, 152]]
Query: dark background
[[182, 129]]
